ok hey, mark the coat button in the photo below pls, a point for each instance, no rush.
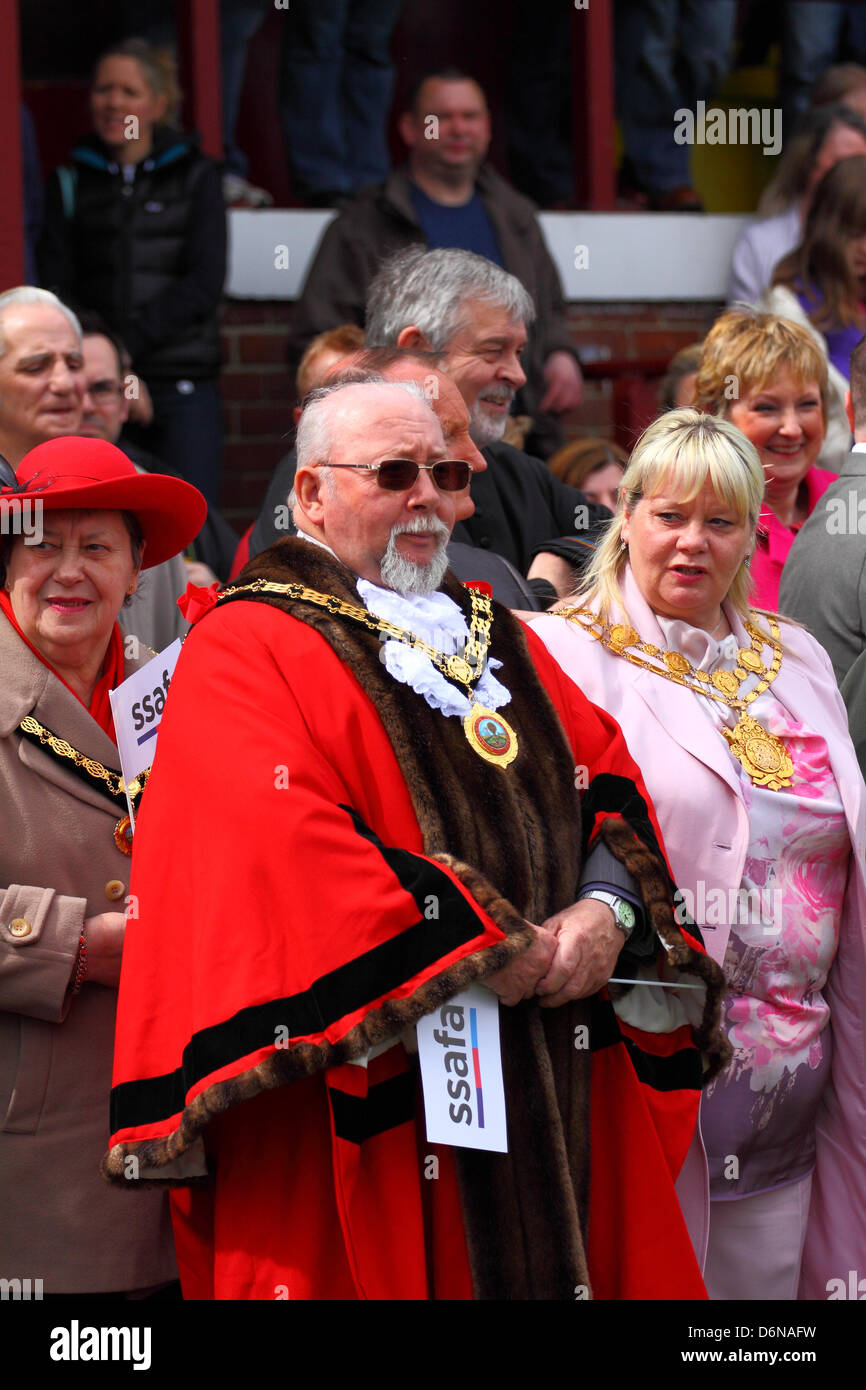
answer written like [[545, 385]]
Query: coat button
[[20, 927], [114, 889]]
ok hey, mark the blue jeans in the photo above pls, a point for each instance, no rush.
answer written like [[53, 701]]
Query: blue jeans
[[336, 83], [810, 41], [669, 54], [239, 21]]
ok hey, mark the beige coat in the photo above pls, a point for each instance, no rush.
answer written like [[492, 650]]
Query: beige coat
[[59, 1221]]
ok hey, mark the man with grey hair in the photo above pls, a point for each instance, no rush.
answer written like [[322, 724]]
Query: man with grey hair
[[477, 317], [44, 394], [407, 552], [42, 378], [446, 195], [468, 310], [388, 764]]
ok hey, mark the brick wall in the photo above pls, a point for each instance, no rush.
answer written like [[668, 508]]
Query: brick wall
[[258, 391]]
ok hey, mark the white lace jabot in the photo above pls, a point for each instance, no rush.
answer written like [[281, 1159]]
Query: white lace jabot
[[702, 650], [438, 621]]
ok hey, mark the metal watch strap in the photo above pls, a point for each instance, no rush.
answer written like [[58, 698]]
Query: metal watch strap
[[623, 911]]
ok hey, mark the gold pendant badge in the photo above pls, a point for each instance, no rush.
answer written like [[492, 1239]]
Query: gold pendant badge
[[763, 755], [123, 835], [490, 735]]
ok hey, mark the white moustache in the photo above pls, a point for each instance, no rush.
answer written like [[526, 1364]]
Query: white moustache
[[420, 526], [500, 395]]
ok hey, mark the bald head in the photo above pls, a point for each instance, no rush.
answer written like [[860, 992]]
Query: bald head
[[408, 364], [333, 411], [392, 538]]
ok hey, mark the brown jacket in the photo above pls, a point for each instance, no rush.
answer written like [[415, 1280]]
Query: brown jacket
[[59, 1221]]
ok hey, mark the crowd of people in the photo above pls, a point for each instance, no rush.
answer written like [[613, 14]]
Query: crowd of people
[[471, 717]]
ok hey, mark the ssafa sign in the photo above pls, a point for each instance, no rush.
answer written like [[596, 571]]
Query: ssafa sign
[[461, 1072], [137, 707]]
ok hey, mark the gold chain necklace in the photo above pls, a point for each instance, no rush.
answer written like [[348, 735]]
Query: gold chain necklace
[[491, 736], [762, 754], [92, 771]]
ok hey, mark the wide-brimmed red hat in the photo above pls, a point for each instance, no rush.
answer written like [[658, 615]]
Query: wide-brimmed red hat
[[75, 472]]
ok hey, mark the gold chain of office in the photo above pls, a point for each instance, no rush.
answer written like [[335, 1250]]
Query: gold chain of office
[[488, 733], [762, 754], [93, 771]]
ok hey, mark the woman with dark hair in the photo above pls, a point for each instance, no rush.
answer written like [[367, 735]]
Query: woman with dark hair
[[823, 278], [135, 229], [827, 136]]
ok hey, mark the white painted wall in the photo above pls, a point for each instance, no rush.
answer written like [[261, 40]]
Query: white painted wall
[[628, 256]]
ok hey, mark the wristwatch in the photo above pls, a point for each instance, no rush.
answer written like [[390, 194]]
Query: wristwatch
[[623, 911]]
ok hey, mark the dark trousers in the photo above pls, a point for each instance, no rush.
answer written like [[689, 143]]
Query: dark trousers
[[335, 92], [669, 55], [186, 433]]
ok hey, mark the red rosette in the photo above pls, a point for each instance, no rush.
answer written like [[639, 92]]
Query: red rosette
[[196, 601]]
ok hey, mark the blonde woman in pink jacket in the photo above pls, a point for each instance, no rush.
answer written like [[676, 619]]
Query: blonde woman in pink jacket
[[736, 721]]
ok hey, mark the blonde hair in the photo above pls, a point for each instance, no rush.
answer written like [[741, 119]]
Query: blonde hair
[[748, 349], [679, 452], [158, 67]]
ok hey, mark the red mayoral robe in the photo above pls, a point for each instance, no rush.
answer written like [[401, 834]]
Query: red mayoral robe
[[280, 944]]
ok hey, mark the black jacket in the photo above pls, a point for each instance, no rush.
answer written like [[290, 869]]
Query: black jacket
[[519, 504], [149, 255]]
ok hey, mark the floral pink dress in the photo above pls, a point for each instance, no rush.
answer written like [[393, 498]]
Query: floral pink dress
[[758, 1117]]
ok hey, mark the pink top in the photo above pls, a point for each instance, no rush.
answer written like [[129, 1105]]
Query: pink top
[[775, 541]]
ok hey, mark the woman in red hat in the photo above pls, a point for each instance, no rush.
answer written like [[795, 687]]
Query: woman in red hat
[[77, 525]]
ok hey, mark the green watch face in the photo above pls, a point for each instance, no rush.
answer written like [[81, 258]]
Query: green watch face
[[625, 915]]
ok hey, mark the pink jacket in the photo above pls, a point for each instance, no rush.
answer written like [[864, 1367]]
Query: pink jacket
[[697, 797]]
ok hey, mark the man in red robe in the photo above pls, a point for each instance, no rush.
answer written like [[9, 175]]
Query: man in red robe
[[373, 790]]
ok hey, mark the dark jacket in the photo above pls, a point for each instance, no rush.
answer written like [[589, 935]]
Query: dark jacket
[[216, 542], [823, 582], [149, 255], [382, 221], [519, 504]]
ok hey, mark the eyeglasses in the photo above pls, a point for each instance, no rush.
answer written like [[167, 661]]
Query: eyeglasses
[[104, 390], [399, 475]]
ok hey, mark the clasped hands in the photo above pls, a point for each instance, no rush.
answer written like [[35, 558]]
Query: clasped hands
[[574, 953]]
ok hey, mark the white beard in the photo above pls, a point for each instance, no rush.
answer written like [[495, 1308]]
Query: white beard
[[485, 428], [407, 576]]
